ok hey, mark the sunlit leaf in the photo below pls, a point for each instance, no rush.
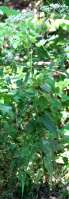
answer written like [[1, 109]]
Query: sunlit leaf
[[5, 108]]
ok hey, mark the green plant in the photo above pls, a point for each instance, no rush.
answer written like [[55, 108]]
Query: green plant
[[33, 101]]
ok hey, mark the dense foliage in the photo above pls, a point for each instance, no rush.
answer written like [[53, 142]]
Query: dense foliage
[[34, 100]]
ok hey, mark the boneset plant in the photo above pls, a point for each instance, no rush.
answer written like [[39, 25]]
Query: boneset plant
[[33, 102]]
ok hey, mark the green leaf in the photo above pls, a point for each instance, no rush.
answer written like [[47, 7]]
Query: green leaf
[[46, 88], [64, 24], [41, 43], [22, 177], [48, 123], [48, 156], [5, 108], [1, 71], [8, 11]]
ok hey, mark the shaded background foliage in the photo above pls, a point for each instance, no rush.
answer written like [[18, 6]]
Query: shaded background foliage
[[27, 2]]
